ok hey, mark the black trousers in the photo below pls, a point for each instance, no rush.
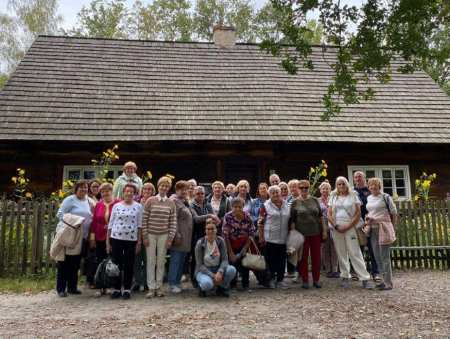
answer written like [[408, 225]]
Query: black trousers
[[100, 250], [123, 254], [276, 260], [67, 273]]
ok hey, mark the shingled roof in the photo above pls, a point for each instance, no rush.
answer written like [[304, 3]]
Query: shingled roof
[[120, 90]]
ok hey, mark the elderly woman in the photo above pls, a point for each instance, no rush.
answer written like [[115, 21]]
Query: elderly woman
[[94, 190], [128, 176], [294, 191], [344, 213], [140, 264], [238, 231], [100, 220], [273, 226], [243, 188], [230, 190], [181, 245], [124, 239], [67, 271], [274, 179], [159, 226], [284, 190], [201, 210], [261, 197], [219, 202], [306, 217], [212, 268], [381, 211], [329, 256], [191, 193]]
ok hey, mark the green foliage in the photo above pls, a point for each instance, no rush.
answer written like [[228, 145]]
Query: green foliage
[[423, 186], [102, 165], [3, 80], [32, 283], [415, 31], [316, 175]]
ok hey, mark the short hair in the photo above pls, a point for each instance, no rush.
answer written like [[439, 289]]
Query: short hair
[[199, 188], [210, 221], [376, 181], [274, 188], [292, 182], [243, 182], [237, 201], [80, 183], [181, 184], [130, 185], [130, 164], [217, 182], [360, 172], [192, 182], [105, 186], [282, 183], [149, 184], [273, 176], [164, 179], [232, 186], [304, 182], [324, 184]]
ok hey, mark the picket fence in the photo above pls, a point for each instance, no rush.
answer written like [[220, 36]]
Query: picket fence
[[27, 229]]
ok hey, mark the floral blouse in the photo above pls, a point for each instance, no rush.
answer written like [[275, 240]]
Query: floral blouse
[[238, 231]]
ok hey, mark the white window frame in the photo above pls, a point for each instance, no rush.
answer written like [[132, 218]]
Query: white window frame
[[82, 169], [378, 173]]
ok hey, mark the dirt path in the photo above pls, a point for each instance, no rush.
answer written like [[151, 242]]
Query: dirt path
[[419, 307]]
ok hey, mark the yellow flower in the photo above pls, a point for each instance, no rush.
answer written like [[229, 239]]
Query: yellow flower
[[28, 195], [116, 146], [149, 174], [21, 181], [21, 172], [325, 166], [105, 154], [61, 194], [18, 169], [311, 170], [434, 175], [323, 162], [116, 157], [417, 182], [94, 161], [324, 172], [170, 176], [14, 179], [426, 184]]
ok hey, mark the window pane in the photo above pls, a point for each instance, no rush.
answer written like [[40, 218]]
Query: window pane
[[370, 174], [119, 173], [399, 174], [401, 192], [88, 175], [74, 175], [387, 183], [399, 183], [387, 174], [110, 175]]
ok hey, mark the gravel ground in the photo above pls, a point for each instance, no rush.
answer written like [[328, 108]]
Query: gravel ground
[[418, 307]]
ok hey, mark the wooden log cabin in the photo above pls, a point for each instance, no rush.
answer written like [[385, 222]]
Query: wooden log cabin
[[220, 110]]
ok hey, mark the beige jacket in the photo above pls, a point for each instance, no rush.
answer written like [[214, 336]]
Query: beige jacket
[[68, 238]]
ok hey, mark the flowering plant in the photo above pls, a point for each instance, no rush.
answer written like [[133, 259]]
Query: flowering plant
[[66, 189], [315, 176], [423, 185], [21, 183], [102, 165], [147, 177]]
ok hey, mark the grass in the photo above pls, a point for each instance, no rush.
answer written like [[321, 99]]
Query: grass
[[27, 284]]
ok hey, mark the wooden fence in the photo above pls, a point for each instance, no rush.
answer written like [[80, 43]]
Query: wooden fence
[[27, 229]]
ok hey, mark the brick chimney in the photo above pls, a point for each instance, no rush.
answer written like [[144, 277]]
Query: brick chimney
[[224, 36]]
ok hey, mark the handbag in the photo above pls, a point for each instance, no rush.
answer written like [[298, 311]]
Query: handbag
[[386, 233], [255, 261]]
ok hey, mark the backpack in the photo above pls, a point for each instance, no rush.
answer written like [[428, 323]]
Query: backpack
[[106, 274]]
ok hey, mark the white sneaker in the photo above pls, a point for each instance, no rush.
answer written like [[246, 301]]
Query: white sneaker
[[175, 289], [283, 285], [295, 279]]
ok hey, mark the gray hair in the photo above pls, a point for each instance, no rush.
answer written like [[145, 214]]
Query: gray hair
[[192, 181], [273, 189], [199, 189]]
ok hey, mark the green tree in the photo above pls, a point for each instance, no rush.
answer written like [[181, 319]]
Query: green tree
[[367, 39], [169, 20], [25, 20], [103, 19], [237, 13]]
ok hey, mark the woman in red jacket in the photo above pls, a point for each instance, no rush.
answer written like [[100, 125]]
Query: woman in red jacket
[[100, 220]]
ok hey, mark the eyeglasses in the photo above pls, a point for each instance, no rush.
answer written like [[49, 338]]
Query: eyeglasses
[[304, 188]]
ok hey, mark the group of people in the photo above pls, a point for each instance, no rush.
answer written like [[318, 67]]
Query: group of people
[[208, 237]]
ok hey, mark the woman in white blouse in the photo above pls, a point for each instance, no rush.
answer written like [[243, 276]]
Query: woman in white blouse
[[344, 214], [124, 239], [381, 209]]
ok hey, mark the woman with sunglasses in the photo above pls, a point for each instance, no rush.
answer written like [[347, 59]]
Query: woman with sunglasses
[[344, 213], [306, 217], [212, 268]]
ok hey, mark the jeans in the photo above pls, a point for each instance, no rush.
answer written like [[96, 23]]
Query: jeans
[[123, 254], [176, 266], [374, 269], [67, 273], [382, 255], [206, 283]]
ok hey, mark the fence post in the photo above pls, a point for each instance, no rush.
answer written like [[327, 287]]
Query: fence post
[[25, 236], [4, 212]]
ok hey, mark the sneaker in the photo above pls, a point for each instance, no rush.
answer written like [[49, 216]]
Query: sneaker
[[175, 289], [184, 278], [345, 283], [126, 295], [62, 294], [366, 284], [305, 285], [116, 294], [97, 294], [296, 279], [283, 285], [159, 292], [150, 294], [74, 292], [317, 284], [272, 284]]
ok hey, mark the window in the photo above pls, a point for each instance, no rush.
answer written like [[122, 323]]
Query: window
[[88, 172], [394, 179]]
